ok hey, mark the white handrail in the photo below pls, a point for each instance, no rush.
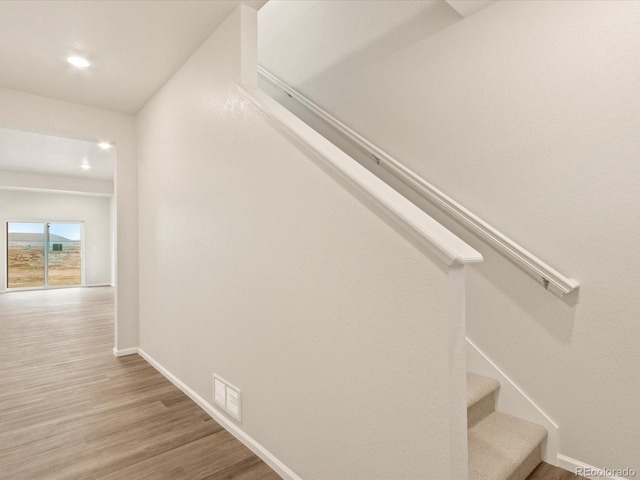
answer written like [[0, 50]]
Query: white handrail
[[546, 275], [440, 241]]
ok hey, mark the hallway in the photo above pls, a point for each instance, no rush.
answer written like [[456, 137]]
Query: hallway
[[69, 409]]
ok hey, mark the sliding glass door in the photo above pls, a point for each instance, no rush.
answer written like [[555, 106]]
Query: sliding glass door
[[43, 254], [25, 254], [64, 258]]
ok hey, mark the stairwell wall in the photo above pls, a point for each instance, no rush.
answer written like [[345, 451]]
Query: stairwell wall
[[260, 265], [525, 113]]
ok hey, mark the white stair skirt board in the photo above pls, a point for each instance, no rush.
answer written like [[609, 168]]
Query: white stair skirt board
[[513, 401], [573, 465], [266, 456]]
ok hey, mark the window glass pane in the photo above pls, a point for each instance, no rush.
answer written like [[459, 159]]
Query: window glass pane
[[64, 254], [25, 254]]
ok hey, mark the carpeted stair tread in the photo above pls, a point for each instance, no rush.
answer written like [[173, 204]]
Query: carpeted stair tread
[[480, 397], [502, 447], [479, 387]]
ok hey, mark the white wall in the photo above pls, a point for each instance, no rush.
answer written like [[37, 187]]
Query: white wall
[[94, 211], [527, 114], [258, 265], [23, 111]]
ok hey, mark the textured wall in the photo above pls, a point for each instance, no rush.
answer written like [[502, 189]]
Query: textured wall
[[527, 114], [258, 265]]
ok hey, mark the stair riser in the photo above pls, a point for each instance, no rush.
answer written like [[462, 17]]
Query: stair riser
[[529, 465], [480, 409], [501, 447]]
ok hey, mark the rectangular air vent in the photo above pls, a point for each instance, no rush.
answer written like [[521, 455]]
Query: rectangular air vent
[[227, 397]]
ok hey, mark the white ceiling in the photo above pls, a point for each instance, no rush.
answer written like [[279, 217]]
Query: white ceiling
[[318, 40], [30, 152], [134, 46]]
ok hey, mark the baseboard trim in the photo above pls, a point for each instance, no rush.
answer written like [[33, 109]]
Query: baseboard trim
[[91, 285], [266, 456], [124, 351], [573, 465], [513, 401]]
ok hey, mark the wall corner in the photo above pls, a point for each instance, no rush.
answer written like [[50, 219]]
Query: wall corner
[[457, 372], [248, 46]]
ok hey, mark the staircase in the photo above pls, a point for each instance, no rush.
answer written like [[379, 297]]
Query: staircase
[[501, 447]]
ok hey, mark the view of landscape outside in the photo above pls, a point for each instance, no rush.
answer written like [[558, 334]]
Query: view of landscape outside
[[26, 254]]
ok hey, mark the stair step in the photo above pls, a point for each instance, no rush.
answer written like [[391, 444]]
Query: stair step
[[502, 447], [480, 397]]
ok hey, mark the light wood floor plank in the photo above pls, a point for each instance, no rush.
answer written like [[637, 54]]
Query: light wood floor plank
[[71, 410]]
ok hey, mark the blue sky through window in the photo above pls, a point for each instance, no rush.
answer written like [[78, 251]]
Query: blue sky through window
[[71, 231], [20, 227], [66, 230]]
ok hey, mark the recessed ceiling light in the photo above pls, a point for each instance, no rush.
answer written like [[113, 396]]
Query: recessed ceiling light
[[85, 166], [78, 62], [104, 145]]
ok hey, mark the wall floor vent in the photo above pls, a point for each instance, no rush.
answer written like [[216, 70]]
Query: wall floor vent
[[227, 397]]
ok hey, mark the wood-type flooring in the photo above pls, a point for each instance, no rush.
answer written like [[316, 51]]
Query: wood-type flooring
[[71, 410]]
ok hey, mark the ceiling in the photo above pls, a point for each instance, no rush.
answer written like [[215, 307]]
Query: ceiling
[[134, 46], [29, 152], [318, 41]]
